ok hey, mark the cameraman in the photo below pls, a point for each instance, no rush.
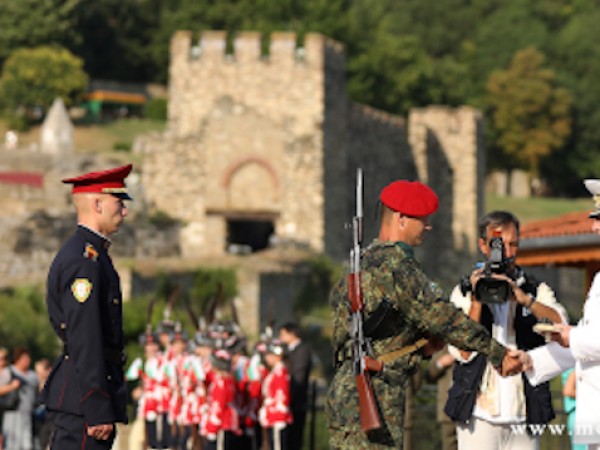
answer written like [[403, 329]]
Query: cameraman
[[508, 302]]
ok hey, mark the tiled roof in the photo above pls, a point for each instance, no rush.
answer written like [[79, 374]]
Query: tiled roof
[[565, 225], [565, 240], [33, 179]]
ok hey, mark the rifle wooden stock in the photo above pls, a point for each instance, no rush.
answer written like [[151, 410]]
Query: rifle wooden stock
[[367, 406], [355, 292], [373, 365]]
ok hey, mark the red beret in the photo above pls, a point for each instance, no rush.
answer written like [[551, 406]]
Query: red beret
[[412, 198], [111, 181]]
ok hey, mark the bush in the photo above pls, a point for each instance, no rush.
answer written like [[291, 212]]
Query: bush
[[122, 146], [25, 322], [212, 286], [156, 109], [17, 123], [33, 77], [322, 275], [161, 219]]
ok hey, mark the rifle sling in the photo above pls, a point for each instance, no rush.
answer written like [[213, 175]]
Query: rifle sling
[[344, 352], [387, 358]]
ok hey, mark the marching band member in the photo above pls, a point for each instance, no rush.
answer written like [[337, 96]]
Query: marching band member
[[150, 371], [220, 420], [275, 414]]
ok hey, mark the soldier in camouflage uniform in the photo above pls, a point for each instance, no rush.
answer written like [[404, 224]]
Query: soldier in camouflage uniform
[[390, 274]]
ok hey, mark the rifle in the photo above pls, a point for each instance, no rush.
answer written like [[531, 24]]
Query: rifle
[[361, 361]]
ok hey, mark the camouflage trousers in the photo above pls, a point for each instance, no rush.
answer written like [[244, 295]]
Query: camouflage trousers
[[343, 416]]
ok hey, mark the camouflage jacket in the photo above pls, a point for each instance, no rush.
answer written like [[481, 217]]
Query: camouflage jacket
[[390, 271]]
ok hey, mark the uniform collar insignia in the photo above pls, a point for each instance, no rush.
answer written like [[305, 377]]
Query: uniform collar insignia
[[98, 240], [408, 249], [90, 252]]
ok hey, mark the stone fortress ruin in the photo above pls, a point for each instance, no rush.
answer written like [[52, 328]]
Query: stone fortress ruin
[[267, 146], [260, 155]]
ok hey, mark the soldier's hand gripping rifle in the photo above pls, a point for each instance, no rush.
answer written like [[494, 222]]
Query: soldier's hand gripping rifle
[[361, 361]]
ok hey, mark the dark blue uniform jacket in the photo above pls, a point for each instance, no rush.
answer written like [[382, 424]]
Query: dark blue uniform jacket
[[85, 308]]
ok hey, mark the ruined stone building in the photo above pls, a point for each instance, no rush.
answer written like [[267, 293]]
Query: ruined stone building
[[266, 147]]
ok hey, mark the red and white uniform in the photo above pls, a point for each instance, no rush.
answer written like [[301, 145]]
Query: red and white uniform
[[150, 373], [164, 388], [192, 390], [275, 410], [220, 413], [175, 374], [240, 373], [256, 374]]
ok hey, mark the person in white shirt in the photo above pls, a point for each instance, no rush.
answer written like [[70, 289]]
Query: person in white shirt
[[508, 302], [577, 347]]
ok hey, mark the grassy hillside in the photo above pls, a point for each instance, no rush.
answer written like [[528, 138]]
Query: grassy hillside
[[118, 135], [530, 209]]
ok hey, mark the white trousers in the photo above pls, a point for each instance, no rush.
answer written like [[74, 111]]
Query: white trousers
[[479, 434]]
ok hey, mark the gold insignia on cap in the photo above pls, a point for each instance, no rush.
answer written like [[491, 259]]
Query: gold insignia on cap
[[81, 289], [114, 190]]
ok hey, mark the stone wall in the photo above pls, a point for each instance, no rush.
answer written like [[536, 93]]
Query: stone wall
[[447, 144], [378, 144]]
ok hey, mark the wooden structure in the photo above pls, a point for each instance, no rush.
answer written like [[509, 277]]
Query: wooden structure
[[103, 103], [563, 241]]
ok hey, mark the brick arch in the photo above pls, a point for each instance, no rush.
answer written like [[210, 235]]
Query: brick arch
[[233, 168]]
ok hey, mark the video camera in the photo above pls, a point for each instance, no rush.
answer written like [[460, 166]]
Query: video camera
[[489, 289]]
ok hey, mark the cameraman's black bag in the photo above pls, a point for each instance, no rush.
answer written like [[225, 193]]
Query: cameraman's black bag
[[10, 401], [462, 395]]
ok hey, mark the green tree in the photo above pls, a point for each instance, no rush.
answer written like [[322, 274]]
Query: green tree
[[503, 29], [115, 36], [25, 322], [395, 74], [530, 112], [577, 60], [35, 77], [31, 23], [211, 284]]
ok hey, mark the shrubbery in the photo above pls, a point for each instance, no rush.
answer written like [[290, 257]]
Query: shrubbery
[[25, 322], [156, 109]]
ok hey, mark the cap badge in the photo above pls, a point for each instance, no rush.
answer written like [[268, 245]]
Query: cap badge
[[81, 289], [90, 252]]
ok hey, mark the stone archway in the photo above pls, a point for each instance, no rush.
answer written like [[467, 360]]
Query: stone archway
[[251, 184]]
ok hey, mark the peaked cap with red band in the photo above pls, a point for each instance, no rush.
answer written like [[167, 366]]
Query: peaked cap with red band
[[411, 198], [111, 181]]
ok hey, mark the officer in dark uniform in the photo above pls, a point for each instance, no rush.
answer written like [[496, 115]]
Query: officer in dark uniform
[[85, 391]]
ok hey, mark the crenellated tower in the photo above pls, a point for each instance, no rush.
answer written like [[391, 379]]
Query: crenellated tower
[[250, 137], [263, 146]]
